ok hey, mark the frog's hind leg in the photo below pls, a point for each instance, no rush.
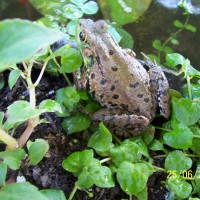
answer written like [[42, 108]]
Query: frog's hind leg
[[125, 125], [159, 88]]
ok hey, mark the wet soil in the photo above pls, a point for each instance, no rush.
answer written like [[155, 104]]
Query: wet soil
[[49, 172]]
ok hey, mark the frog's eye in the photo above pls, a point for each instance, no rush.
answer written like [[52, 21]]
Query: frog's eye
[[82, 36]]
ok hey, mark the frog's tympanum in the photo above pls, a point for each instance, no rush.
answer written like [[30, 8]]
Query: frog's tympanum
[[129, 94]]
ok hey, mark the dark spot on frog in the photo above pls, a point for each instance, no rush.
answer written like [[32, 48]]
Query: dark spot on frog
[[101, 96], [137, 110], [112, 104], [165, 102], [114, 68], [112, 88], [115, 96], [124, 106], [111, 52], [102, 82], [146, 100], [164, 93], [134, 85], [128, 126], [146, 82], [92, 76], [140, 95], [98, 60], [129, 119], [140, 117], [93, 94]]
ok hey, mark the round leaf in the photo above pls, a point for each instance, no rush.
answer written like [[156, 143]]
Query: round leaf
[[76, 123], [132, 177], [101, 140], [180, 137], [21, 39], [71, 61], [71, 11], [180, 187], [77, 161], [178, 161], [90, 8]]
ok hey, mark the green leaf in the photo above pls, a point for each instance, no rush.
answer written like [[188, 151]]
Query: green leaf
[[185, 105], [178, 161], [71, 61], [127, 151], [2, 82], [60, 51], [156, 145], [78, 2], [180, 187], [174, 59], [50, 106], [3, 173], [174, 41], [143, 147], [71, 27], [90, 8], [20, 111], [13, 77], [112, 30], [53, 194], [127, 39], [133, 177], [157, 45], [17, 36], [195, 90], [191, 28], [167, 49], [178, 24], [101, 140], [37, 150], [143, 195], [76, 123], [196, 140], [13, 157], [76, 161], [103, 177], [68, 98], [71, 11], [85, 180], [22, 191], [180, 137], [1, 119]]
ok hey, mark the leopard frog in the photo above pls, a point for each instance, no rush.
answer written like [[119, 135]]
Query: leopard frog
[[129, 94]]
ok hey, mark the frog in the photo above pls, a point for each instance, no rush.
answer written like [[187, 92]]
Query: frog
[[130, 94]]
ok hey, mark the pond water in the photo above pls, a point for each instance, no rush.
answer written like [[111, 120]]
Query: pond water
[[156, 23]]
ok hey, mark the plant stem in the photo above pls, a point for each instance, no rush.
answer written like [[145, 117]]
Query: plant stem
[[130, 197], [196, 136], [162, 129], [116, 138], [174, 35], [159, 169], [73, 192], [105, 160], [9, 140], [189, 87], [58, 65]]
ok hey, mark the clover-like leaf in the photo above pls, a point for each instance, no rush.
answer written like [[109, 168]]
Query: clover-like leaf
[[177, 160], [101, 140]]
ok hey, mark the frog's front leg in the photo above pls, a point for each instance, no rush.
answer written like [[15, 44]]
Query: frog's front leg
[[159, 89], [120, 123]]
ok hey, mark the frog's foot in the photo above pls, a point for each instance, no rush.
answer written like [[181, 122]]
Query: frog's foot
[[125, 125], [159, 88]]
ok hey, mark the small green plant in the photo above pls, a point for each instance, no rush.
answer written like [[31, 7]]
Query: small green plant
[[163, 47]]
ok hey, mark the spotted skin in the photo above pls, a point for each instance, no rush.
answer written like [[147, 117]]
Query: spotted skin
[[128, 93]]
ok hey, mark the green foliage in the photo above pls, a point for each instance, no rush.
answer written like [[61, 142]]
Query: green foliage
[[37, 150], [13, 157], [101, 140], [17, 36], [3, 173], [53, 194], [76, 123], [22, 191]]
